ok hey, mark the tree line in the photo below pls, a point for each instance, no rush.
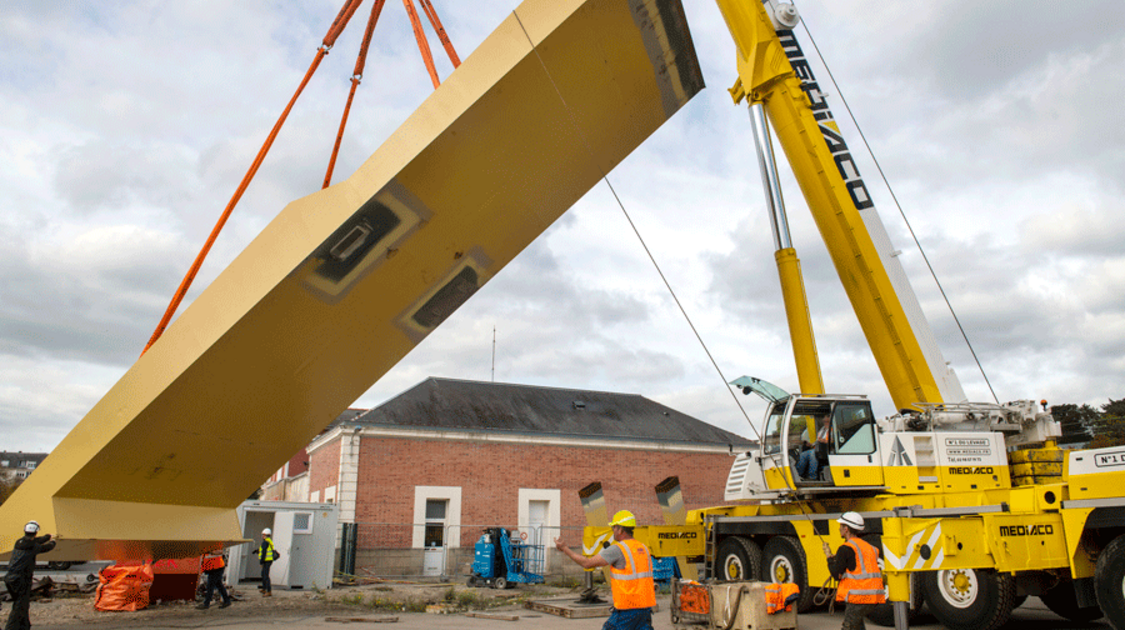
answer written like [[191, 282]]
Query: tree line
[[1092, 426]]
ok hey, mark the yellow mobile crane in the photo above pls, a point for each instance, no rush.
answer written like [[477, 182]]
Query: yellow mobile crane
[[973, 505]]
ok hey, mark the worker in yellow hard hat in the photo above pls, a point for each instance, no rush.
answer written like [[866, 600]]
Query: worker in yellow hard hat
[[630, 570]]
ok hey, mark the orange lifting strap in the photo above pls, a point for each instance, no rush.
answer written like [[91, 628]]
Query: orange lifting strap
[[423, 46], [334, 31]]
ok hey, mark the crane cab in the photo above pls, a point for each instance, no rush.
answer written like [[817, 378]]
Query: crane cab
[[810, 444], [820, 442]]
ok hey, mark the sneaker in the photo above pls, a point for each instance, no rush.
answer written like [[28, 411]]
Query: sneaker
[[201, 607], [224, 604], [267, 594]]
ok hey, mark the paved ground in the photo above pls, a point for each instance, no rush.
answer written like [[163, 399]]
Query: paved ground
[[1031, 616]]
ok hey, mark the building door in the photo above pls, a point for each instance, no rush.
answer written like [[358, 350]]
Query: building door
[[537, 518], [433, 555]]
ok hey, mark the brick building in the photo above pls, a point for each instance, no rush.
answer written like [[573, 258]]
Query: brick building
[[431, 467], [291, 481]]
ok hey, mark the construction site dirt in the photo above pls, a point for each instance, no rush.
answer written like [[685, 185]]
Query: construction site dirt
[[414, 606]]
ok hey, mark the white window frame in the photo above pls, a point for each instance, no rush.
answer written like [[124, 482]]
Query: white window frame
[[452, 494], [303, 530]]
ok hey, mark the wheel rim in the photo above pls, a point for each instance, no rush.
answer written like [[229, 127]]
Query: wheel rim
[[735, 570], [781, 570], [959, 588]]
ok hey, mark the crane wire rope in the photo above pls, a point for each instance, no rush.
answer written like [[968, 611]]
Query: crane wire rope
[[667, 284], [334, 31], [902, 213]]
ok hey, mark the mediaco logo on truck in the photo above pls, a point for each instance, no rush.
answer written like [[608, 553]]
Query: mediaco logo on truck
[[675, 535], [970, 470], [1027, 530]]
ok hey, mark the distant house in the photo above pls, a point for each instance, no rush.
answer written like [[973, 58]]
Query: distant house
[[291, 481], [19, 465], [432, 467]]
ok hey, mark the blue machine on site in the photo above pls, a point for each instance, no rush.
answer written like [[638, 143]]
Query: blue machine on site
[[500, 561]]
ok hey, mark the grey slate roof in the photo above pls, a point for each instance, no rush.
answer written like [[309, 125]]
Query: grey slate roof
[[440, 403], [15, 459]]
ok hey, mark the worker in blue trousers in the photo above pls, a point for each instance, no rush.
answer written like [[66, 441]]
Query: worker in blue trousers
[[267, 553]]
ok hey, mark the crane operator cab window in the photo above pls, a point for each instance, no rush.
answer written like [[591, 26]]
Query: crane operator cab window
[[853, 428], [809, 441], [800, 441]]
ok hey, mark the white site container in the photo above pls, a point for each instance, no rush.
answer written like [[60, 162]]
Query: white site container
[[304, 534]]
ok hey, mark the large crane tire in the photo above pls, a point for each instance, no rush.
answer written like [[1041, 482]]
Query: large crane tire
[[970, 599], [1062, 601], [884, 614], [783, 560], [740, 559], [1109, 582]]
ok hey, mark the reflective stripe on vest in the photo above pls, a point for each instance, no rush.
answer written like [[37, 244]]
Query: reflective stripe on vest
[[864, 585], [777, 594], [632, 587], [210, 563], [270, 555]]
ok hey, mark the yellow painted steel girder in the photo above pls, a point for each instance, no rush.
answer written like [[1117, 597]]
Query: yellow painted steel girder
[[344, 282]]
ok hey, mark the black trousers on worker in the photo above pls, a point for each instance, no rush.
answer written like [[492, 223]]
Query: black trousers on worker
[[854, 614], [266, 586], [20, 589], [215, 581]]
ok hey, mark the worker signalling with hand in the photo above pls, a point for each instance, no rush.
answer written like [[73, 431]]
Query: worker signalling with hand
[[630, 570], [856, 566], [267, 553], [21, 571]]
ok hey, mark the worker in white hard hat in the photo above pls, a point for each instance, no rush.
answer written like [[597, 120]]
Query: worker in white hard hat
[[267, 553], [856, 565], [630, 570], [21, 572]]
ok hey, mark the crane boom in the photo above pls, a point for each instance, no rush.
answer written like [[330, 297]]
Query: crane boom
[[772, 71]]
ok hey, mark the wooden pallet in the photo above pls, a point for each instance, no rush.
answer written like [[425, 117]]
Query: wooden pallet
[[569, 608]]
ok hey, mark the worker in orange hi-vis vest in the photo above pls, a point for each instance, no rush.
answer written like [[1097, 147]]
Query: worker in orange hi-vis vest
[[856, 565], [630, 569], [213, 566]]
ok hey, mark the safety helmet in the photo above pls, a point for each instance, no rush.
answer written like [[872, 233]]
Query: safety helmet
[[624, 518], [853, 520], [32, 527], [267, 532]]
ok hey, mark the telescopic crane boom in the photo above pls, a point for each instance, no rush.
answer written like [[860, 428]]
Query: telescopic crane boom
[[774, 76]]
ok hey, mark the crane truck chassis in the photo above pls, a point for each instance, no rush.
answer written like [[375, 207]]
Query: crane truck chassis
[[966, 541], [973, 506]]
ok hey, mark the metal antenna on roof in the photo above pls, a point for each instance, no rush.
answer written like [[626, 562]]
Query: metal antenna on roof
[[494, 353]]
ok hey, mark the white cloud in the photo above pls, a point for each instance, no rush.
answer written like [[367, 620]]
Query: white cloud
[[125, 128]]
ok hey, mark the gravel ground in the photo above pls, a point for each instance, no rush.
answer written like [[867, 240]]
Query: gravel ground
[[78, 610]]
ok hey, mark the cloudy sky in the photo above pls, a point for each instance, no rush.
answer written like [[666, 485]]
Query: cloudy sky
[[126, 126]]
